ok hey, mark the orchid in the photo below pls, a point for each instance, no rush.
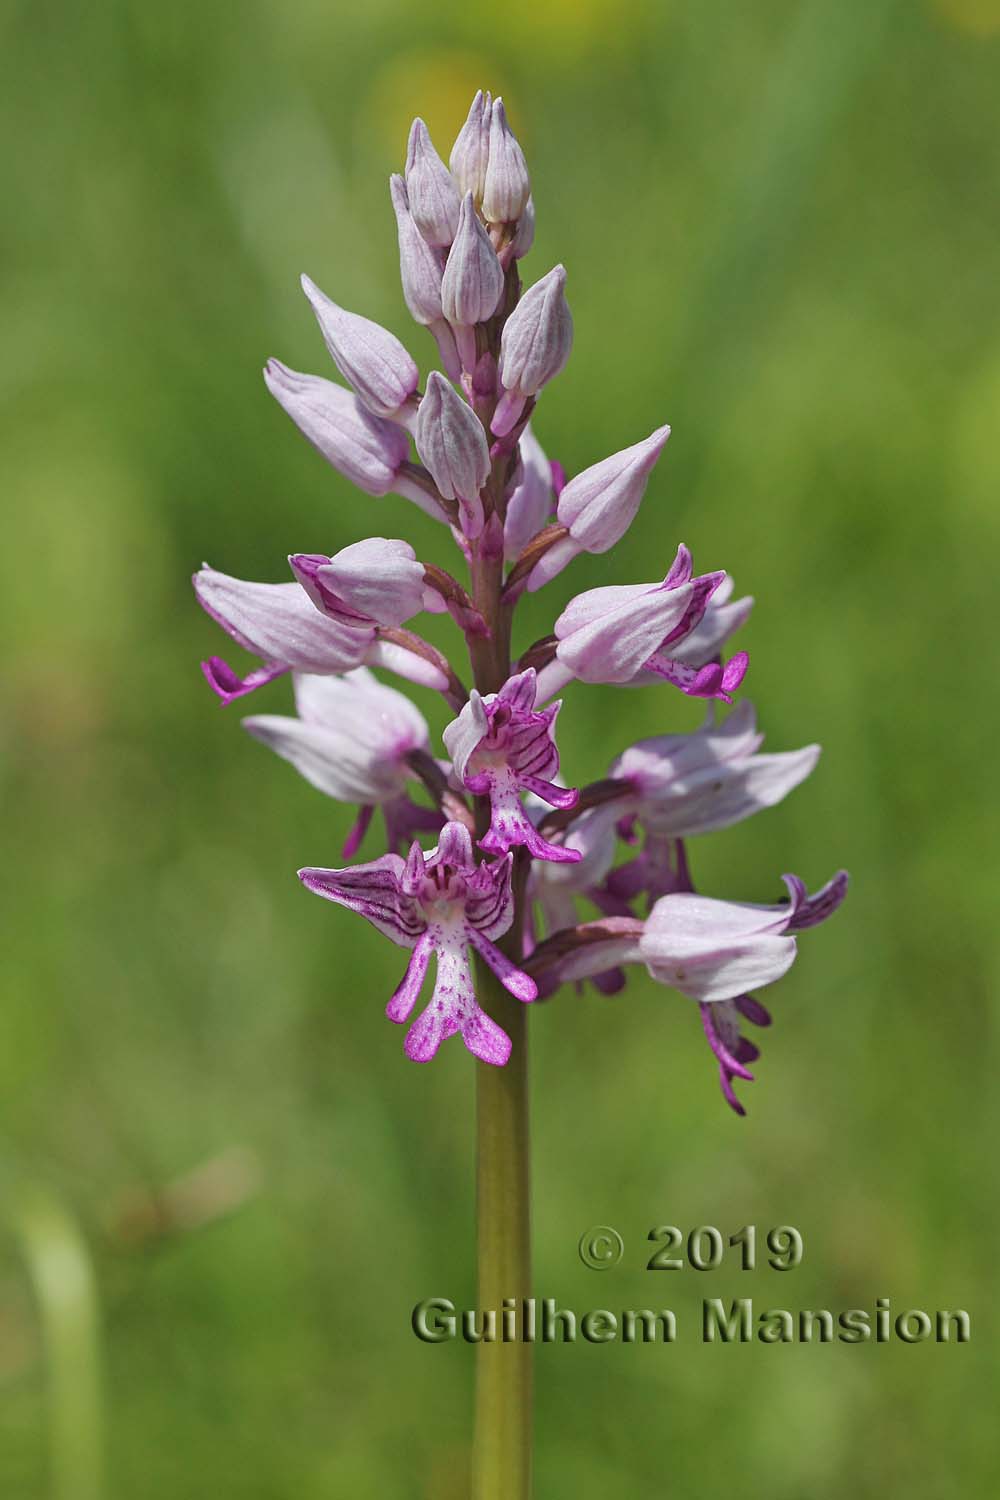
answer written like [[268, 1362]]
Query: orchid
[[442, 906], [714, 952], [500, 746], [358, 741], [496, 900], [674, 787], [277, 623], [617, 633], [479, 465]]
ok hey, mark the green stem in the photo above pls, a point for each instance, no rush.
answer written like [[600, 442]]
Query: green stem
[[502, 1451]]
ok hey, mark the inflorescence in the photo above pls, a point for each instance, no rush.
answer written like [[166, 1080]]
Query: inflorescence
[[515, 849]]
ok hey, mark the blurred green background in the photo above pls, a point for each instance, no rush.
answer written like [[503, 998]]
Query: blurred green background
[[780, 224]]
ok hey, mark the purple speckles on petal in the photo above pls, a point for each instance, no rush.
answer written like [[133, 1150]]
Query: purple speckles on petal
[[440, 904], [563, 797], [486, 1040], [424, 1036], [405, 995], [510, 976], [510, 825]]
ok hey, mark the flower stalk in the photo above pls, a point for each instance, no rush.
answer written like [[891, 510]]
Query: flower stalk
[[502, 1446], [502, 1436]]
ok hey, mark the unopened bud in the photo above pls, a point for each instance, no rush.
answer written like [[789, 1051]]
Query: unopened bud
[[599, 505], [370, 358], [506, 185], [420, 266], [434, 198], [452, 443], [524, 237], [473, 280], [380, 578], [470, 153], [366, 449], [535, 345]]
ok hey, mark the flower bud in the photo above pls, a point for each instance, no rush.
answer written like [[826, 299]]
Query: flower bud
[[452, 443], [420, 269], [380, 578], [420, 266], [470, 153], [473, 280], [350, 737], [366, 449], [277, 623], [506, 186], [370, 358], [599, 505], [530, 505], [434, 199], [534, 347], [524, 236]]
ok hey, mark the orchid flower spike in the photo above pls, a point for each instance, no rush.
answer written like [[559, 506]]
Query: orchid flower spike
[[501, 746], [443, 905], [459, 444]]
